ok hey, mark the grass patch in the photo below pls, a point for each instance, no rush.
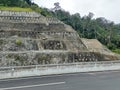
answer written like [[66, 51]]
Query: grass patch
[[116, 51], [16, 9]]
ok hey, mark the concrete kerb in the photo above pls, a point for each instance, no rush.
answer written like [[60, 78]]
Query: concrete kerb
[[55, 70]]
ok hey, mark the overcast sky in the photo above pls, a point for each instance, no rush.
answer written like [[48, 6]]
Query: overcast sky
[[101, 8]]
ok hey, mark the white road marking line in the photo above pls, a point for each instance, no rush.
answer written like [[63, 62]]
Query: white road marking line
[[107, 72], [116, 71], [103, 72], [31, 86], [92, 73]]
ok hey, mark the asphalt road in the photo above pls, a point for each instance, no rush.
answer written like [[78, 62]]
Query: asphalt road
[[109, 80]]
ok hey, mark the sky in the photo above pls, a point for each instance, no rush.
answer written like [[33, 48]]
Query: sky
[[101, 8]]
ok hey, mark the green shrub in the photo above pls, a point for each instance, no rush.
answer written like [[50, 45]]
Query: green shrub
[[116, 51], [18, 42]]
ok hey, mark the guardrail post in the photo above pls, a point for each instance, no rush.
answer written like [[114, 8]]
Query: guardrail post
[[57, 66], [12, 71], [36, 67], [95, 64]]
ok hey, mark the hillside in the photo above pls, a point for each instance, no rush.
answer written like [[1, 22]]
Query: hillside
[[29, 38], [107, 32]]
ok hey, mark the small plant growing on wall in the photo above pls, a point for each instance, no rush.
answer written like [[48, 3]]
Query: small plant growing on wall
[[18, 42]]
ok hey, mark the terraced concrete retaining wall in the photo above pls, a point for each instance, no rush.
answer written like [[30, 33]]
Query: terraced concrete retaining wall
[[28, 38], [13, 72]]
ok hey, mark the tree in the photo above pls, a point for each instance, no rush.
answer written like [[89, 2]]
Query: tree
[[29, 2], [86, 23], [57, 6]]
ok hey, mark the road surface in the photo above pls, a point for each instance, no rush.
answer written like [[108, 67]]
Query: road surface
[[109, 80]]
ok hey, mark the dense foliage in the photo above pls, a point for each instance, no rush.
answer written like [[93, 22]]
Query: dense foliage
[[105, 31], [20, 3]]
